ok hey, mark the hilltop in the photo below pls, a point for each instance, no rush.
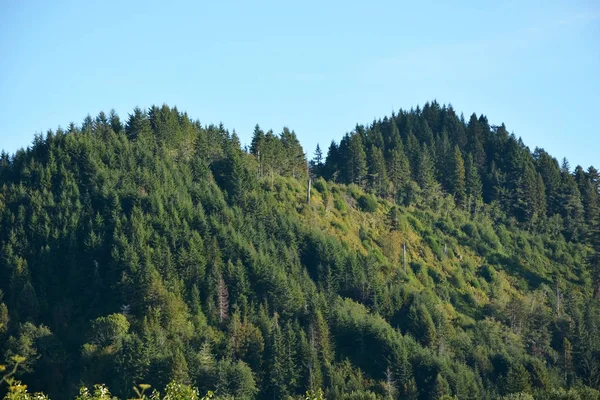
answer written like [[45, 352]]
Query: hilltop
[[434, 257]]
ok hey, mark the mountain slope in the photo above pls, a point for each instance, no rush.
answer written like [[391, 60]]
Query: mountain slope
[[160, 250]]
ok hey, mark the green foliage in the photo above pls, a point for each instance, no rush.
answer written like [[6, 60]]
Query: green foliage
[[163, 252], [367, 203]]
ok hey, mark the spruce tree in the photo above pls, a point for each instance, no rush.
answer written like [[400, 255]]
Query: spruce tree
[[317, 162], [356, 160], [473, 184], [426, 171], [474, 141], [458, 178], [377, 172], [398, 169], [441, 388], [332, 163]]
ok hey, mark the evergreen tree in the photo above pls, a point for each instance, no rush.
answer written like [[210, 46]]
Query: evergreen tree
[[332, 163], [441, 388], [398, 168], [444, 161], [426, 171], [517, 380], [474, 142], [138, 125], [355, 160], [317, 162], [277, 380], [377, 172], [458, 179], [473, 184]]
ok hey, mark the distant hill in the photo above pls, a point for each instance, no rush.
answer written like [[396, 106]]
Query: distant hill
[[434, 258]]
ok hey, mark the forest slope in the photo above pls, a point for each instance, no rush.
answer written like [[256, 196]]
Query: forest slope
[[160, 250]]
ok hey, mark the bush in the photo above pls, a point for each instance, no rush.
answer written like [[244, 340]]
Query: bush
[[339, 204], [367, 203], [321, 186]]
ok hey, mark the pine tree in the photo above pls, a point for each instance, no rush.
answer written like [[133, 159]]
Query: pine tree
[[332, 163], [527, 206], [277, 380], [403, 371], [474, 142], [517, 380], [355, 160], [293, 162], [290, 359], [550, 172], [591, 203], [458, 178], [444, 161], [426, 171], [377, 172], [441, 387], [222, 300], [317, 162], [398, 168], [115, 121], [395, 140], [571, 206], [240, 179], [138, 126], [413, 151], [474, 188]]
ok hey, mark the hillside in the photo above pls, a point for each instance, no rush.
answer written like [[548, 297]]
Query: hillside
[[159, 250]]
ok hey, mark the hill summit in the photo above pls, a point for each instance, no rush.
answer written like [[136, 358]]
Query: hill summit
[[429, 257]]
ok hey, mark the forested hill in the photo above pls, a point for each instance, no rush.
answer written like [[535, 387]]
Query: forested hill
[[435, 257]]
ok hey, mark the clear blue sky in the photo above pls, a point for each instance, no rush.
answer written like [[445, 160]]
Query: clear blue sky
[[318, 67]]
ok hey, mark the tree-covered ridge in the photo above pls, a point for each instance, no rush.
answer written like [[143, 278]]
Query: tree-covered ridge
[[159, 250]]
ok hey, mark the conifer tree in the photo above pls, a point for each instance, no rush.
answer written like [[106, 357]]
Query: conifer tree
[[474, 141], [398, 169], [426, 171], [277, 380], [138, 125], [332, 163], [222, 299], [444, 160], [377, 172], [458, 178], [317, 162], [473, 184], [441, 388], [518, 380], [413, 150], [395, 140], [355, 160]]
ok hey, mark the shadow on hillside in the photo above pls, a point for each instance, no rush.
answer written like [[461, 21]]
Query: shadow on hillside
[[513, 266]]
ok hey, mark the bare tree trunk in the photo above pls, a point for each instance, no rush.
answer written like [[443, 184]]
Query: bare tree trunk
[[404, 256], [223, 300], [309, 183]]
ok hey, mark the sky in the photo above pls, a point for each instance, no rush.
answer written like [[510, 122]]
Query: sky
[[317, 67]]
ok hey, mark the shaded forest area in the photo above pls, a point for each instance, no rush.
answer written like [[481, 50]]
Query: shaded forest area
[[437, 258]]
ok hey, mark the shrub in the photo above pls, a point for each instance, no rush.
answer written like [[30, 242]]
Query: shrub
[[339, 204], [321, 186], [367, 203]]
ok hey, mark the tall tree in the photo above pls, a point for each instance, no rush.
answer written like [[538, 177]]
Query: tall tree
[[475, 141], [355, 159], [398, 169], [378, 180], [426, 171], [317, 162], [458, 178]]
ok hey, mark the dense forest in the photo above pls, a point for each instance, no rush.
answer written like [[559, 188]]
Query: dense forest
[[423, 256]]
